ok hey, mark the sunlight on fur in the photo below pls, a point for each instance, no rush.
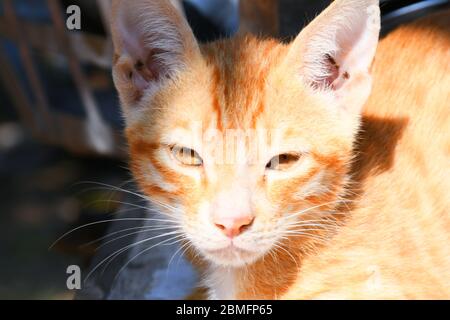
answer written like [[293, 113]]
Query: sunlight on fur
[[299, 170]]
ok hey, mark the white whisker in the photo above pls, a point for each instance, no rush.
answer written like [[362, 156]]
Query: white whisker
[[174, 255], [132, 233], [296, 214], [120, 231], [106, 221], [142, 252], [134, 194], [118, 252], [279, 246]]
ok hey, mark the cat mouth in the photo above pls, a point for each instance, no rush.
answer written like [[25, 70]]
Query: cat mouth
[[230, 248], [231, 255]]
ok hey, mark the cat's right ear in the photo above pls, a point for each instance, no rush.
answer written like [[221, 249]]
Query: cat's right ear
[[152, 42], [334, 53]]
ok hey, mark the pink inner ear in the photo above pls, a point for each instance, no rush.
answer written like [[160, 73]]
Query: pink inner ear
[[146, 66], [333, 68], [332, 71], [335, 76], [146, 70]]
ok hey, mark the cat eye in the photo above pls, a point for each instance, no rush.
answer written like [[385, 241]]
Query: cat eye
[[283, 161], [186, 156]]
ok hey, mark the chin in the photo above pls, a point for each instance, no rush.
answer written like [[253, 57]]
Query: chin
[[232, 256]]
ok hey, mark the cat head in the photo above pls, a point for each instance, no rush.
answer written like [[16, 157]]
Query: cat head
[[243, 140]]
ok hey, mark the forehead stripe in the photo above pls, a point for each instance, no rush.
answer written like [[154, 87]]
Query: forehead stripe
[[215, 95]]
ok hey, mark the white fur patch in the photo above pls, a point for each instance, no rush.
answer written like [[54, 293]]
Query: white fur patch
[[221, 283], [153, 175], [314, 186]]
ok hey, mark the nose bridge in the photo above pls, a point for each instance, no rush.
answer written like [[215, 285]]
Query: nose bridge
[[233, 196], [233, 202], [232, 207]]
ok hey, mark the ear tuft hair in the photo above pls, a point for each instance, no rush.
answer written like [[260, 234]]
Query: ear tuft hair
[[152, 42], [339, 44]]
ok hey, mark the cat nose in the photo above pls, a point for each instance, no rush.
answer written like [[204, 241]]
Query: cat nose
[[233, 226]]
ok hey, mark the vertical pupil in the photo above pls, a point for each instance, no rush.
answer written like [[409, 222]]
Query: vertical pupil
[[189, 154]]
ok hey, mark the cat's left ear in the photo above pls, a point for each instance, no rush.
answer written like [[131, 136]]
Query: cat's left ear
[[334, 53]]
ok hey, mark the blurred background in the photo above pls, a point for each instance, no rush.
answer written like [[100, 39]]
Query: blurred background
[[61, 137]]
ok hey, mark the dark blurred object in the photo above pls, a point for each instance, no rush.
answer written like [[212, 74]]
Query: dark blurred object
[[260, 17], [42, 197], [58, 79], [296, 14], [398, 12], [203, 27]]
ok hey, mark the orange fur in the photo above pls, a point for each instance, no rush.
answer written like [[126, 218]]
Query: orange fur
[[375, 221]]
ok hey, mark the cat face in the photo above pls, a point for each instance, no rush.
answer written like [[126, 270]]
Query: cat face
[[242, 141]]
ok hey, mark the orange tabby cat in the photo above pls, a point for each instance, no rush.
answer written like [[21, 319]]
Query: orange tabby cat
[[251, 148]]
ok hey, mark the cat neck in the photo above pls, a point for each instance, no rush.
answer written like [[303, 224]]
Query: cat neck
[[255, 281], [222, 283]]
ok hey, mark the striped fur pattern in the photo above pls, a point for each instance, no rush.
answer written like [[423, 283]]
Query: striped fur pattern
[[355, 204]]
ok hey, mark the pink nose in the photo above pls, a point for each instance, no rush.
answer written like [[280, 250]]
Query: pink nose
[[233, 226]]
